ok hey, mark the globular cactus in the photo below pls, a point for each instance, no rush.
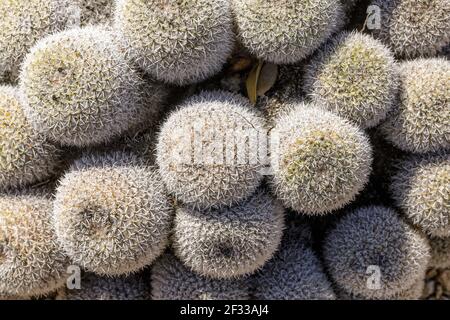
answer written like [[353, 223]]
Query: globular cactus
[[25, 22], [354, 76], [111, 214], [373, 254], [285, 31], [25, 155], [231, 242], [178, 42], [420, 121], [79, 90], [171, 280], [414, 28], [420, 188], [94, 287], [320, 161], [207, 150], [294, 273], [440, 252], [32, 263]]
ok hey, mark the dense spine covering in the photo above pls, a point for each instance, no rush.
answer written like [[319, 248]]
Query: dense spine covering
[[375, 242], [172, 280], [354, 76], [111, 213], [25, 155], [419, 123], [23, 23], [420, 188], [79, 89], [414, 28], [230, 242], [320, 161], [93, 287], [178, 42], [32, 263], [285, 31], [294, 273], [94, 12], [202, 151]]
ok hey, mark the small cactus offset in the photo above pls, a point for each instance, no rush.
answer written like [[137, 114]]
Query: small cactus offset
[[285, 31], [79, 89], [375, 240], [231, 242], [320, 161], [420, 187], [354, 76], [176, 41], [419, 123], [111, 213]]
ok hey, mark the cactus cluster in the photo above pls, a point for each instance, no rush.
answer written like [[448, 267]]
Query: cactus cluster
[[224, 149]]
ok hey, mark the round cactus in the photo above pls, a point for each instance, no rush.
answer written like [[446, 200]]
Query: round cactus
[[230, 242], [178, 42], [294, 273], [414, 28], [420, 122], [171, 280], [25, 22], [320, 162], [440, 252], [372, 253], [93, 287], [25, 156], [203, 153], [32, 263], [111, 213], [79, 90], [421, 189], [285, 31], [355, 77]]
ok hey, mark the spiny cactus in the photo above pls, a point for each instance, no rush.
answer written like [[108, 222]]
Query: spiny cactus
[[320, 162], [93, 287], [440, 252], [414, 28], [179, 42], [25, 155], [79, 90], [420, 121], [421, 189], [171, 280], [32, 263], [285, 31], [354, 76], [372, 253], [203, 153], [95, 11], [294, 273], [230, 242], [111, 213], [23, 23]]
